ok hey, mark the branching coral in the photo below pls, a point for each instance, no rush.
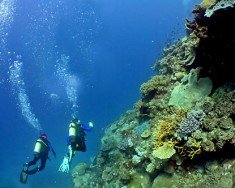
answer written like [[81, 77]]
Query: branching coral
[[166, 128], [189, 149], [193, 147]]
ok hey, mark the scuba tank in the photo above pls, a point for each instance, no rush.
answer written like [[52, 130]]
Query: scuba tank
[[72, 129], [37, 147], [41, 146]]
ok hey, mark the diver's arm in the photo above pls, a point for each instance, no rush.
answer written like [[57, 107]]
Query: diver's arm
[[87, 127], [52, 150]]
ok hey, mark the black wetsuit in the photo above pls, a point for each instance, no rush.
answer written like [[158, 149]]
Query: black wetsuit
[[43, 155], [78, 142]]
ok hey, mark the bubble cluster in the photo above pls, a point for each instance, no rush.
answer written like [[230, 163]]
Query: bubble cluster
[[70, 82], [18, 84], [7, 8]]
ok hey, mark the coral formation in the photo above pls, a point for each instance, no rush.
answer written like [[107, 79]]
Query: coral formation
[[181, 132], [191, 123], [218, 6], [164, 152], [190, 90], [217, 41]]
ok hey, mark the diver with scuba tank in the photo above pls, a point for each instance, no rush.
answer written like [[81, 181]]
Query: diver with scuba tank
[[76, 141], [41, 151]]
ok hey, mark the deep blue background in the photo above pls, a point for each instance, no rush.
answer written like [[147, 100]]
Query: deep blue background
[[112, 45]]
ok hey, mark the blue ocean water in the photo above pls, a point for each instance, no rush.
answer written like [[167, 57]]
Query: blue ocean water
[[59, 57]]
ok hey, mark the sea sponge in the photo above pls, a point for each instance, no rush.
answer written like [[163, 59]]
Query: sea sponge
[[190, 90]]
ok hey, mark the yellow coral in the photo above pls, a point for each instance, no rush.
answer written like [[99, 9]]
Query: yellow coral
[[166, 128], [190, 149], [165, 139], [194, 148]]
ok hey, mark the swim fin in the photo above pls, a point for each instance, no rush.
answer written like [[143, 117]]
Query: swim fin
[[24, 175]]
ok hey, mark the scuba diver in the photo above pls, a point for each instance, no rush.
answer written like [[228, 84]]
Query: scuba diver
[[41, 151], [76, 141]]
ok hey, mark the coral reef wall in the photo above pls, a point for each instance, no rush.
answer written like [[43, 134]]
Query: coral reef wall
[[181, 133]]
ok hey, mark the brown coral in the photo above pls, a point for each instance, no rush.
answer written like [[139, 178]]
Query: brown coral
[[155, 87]]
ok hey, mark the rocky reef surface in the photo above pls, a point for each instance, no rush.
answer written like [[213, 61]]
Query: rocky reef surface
[[182, 131]]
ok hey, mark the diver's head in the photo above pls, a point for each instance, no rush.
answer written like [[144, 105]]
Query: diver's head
[[75, 120], [43, 136]]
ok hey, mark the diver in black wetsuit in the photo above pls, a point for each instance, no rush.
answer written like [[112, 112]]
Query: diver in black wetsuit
[[76, 142], [76, 139], [41, 151]]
